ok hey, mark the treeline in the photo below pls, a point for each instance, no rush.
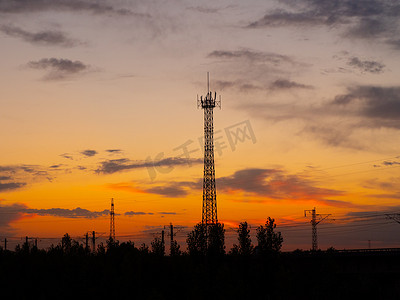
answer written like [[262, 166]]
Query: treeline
[[203, 240], [207, 270]]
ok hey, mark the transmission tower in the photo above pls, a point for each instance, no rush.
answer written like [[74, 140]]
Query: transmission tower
[[394, 217], [209, 213], [112, 221], [315, 220]]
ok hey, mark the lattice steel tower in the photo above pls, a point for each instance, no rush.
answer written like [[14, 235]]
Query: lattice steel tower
[[112, 221], [315, 220], [209, 214]]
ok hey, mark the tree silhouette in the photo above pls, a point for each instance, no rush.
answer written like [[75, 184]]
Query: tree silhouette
[[269, 241], [245, 246], [111, 244], [158, 247], [216, 239], [175, 249], [144, 249], [197, 240], [66, 243]]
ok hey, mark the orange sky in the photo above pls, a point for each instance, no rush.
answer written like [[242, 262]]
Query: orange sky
[[87, 115]]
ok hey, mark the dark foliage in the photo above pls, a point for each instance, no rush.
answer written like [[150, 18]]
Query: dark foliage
[[216, 239], [128, 273], [197, 240], [158, 247], [245, 246], [268, 240]]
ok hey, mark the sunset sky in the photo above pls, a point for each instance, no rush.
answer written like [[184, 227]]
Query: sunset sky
[[98, 101]]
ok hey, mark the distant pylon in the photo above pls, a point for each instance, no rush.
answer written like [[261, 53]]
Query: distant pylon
[[112, 221], [209, 213], [315, 220]]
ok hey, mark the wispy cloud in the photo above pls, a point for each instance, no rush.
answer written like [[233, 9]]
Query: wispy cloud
[[58, 68], [45, 37], [137, 213], [67, 213], [284, 84], [89, 153], [93, 7], [252, 55], [274, 184], [10, 186], [372, 19], [10, 213], [169, 190], [378, 106], [124, 164], [366, 66]]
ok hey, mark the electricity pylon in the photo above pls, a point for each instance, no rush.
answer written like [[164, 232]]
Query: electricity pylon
[[315, 220]]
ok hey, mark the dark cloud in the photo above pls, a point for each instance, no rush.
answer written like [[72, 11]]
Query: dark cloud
[[368, 66], [166, 213], [94, 7], [4, 187], [275, 184], [123, 164], [17, 176], [284, 84], [280, 18], [379, 106], [345, 121], [58, 68], [14, 212], [356, 19], [67, 213], [9, 214], [89, 153], [391, 163], [394, 42], [242, 86], [137, 213], [55, 166], [46, 37], [173, 190], [67, 156], [114, 150], [251, 55], [205, 10]]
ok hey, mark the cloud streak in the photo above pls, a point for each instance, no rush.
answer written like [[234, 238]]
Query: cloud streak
[[371, 19], [89, 153], [45, 37], [274, 184], [123, 164], [366, 66], [58, 68], [93, 7]]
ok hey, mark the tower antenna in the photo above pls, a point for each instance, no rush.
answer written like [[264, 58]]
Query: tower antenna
[[112, 222], [209, 212]]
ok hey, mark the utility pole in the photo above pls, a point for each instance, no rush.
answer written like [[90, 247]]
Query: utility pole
[[171, 227], [94, 241], [86, 241], [112, 222], [208, 103], [315, 220]]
